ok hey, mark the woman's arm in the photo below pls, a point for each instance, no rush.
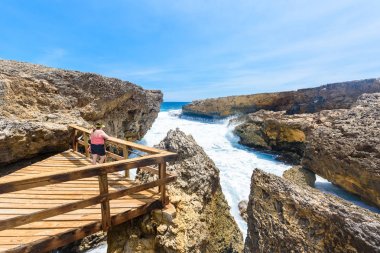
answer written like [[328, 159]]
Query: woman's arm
[[105, 136]]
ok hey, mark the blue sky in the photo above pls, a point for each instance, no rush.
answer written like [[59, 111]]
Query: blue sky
[[193, 49]]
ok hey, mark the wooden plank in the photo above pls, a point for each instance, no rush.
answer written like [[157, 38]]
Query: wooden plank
[[86, 145], [43, 214], [124, 142], [162, 171], [74, 140], [115, 156], [53, 242], [83, 172], [126, 154], [105, 204]]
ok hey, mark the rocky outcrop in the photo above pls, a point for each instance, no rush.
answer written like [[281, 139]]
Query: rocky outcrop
[[326, 97], [37, 103], [346, 149], [300, 176], [202, 221], [284, 217], [85, 244], [276, 132]]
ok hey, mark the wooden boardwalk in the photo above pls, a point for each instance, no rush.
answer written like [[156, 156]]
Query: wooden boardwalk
[[64, 198]]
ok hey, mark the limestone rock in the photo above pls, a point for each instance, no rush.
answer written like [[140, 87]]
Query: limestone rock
[[347, 150], [284, 217], [202, 220], [326, 97], [243, 209], [300, 176], [85, 244], [276, 132], [37, 103]]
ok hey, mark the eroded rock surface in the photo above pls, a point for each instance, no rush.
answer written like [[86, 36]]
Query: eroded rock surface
[[285, 217], [300, 176], [326, 97], [346, 150], [276, 132], [37, 103], [243, 209], [202, 220]]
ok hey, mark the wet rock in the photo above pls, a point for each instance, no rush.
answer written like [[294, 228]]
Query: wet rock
[[326, 97], [202, 220], [346, 151], [285, 217], [37, 103], [300, 176]]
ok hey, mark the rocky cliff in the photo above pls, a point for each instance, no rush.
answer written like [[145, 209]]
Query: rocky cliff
[[37, 103], [346, 149], [330, 96], [286, 217], [276, 132], [201, 219]]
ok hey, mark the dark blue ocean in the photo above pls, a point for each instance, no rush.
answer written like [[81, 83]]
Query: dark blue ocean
[[167, 106]]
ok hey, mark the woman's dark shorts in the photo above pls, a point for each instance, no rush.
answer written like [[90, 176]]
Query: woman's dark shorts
[[98, 149]]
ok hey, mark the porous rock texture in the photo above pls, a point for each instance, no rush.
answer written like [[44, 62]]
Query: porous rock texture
[[285, 217], [37, 103], [275, 132], [243, 209], [300, 176], [346, 149], [326, 97], [202, 221]]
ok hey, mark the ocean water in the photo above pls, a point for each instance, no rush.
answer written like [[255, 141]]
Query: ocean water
[[234, 161]]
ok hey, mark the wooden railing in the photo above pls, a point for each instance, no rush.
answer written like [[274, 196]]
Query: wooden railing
[[117, 149], [154, 157]]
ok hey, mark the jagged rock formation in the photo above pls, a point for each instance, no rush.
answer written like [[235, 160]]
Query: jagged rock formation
[[285, 217], [37, 103], [300, 176], [202, 220], [346, 149], [330, 96], [276, 132]]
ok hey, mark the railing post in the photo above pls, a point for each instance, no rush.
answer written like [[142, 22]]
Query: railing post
[[126, 154], [162, 175], [75, 141], [85, 139], [105, 204]]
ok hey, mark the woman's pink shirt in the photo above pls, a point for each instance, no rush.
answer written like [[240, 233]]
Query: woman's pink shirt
[[98, 136]]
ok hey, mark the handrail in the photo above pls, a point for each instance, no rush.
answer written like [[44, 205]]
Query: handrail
[[122, 142], [83, 172]]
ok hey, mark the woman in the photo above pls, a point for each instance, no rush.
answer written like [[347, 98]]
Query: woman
[[97, 138]]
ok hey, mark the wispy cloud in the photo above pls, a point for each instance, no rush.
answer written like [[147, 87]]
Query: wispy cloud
[[51, 57], [194, 49]]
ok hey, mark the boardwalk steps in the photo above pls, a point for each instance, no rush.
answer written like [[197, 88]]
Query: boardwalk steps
[[64, 198]]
